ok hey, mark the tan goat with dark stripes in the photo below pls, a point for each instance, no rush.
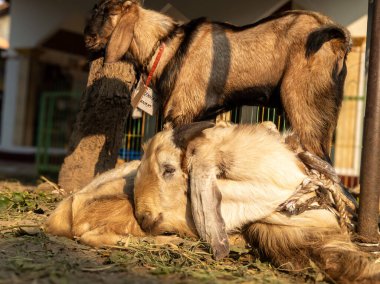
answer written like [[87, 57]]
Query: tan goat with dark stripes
[[295, 59]]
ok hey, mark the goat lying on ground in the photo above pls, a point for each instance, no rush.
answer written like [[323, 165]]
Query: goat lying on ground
[[296, 58], [248, 186], [102, 212]]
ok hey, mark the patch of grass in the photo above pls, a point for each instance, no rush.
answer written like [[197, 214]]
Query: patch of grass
[[16, 202], [189, 260], [28, 255]]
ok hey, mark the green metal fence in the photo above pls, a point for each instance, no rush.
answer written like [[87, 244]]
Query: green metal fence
[[59, 109], [57, 114], [137, 131]]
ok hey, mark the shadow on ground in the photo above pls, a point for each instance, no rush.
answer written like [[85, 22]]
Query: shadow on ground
[[45, 259]]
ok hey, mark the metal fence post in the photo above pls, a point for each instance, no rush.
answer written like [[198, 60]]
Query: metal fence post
[[370, 168]]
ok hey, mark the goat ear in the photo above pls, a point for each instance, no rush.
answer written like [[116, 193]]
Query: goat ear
[[182, 135], [206, 208], [122, 35]]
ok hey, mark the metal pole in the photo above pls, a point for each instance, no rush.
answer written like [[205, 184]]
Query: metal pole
[[370, 166]]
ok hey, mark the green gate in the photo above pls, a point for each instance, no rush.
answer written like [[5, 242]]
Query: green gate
[[58, 111], [56, 119]]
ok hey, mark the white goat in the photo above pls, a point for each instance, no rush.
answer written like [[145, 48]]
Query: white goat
[[250, 187], [235, 187]]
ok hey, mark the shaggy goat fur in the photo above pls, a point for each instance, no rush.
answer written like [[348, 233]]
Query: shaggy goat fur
[[249, 183], [293, 247], [295, 59], [101, 213]]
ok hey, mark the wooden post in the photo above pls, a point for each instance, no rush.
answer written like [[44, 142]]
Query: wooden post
[[97, 134], [370, 167]]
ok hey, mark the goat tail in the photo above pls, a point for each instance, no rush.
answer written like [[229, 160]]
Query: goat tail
[[293, 248], [318, 37]]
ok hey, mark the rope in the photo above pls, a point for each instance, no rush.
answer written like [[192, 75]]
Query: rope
[[340, 201], [319, 191]]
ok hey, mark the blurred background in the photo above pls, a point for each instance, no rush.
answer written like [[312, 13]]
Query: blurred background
[[43, 71]]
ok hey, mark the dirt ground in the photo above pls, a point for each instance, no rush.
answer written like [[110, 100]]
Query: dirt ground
[[27, 255]]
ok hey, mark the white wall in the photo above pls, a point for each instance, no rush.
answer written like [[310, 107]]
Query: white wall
[[239, 12], [359, 27], [33, 21], [14, 101], [343, 11]]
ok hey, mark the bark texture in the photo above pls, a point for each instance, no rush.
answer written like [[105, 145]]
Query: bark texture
[[97, 134]]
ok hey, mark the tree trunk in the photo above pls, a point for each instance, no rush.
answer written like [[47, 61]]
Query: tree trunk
[[97, 134]]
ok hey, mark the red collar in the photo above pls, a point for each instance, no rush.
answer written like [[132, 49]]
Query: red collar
[[155, 63]]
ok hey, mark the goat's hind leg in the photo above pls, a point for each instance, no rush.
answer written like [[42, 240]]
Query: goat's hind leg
[[313, 121], [99, 238], [312, 97], [291, 242]]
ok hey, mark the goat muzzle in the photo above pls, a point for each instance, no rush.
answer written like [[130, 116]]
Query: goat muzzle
[[148, 222]]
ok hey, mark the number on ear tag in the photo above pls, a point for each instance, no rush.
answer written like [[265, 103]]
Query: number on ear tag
[[148, 102]]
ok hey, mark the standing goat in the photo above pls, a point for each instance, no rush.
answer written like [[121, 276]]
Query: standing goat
[[248, 186], [295, 59]]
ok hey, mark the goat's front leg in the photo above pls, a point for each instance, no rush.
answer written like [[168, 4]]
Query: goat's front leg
[[206, 200]]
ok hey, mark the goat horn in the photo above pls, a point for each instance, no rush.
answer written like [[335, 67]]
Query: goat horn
[[316, 163], [184, 134]]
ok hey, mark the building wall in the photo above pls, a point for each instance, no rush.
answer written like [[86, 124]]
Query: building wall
[[31, 23], [344, 12]]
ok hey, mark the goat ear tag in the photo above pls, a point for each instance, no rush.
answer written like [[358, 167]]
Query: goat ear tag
[[148, 102], [137, 93]]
